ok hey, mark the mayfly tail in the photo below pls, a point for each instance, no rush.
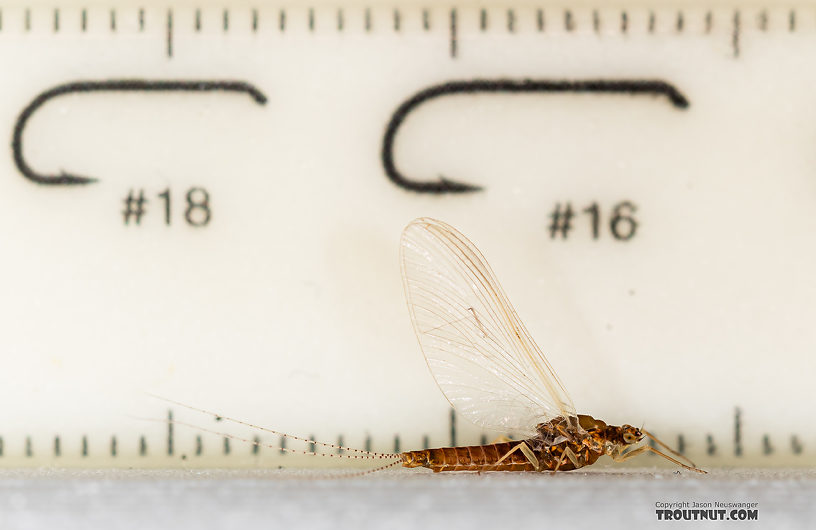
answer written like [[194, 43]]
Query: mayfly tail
[[667, 448], [265, 429], [369, 471], [370, 456]]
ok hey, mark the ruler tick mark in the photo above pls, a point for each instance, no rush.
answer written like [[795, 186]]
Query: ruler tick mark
[[142, 446], [29, 452], [340, 19], [426, 20], [254, 20], [113, 20], [170, 33], [282, 20], [28, 20], [569, 24], [596, 21], [652, 21], [83, 20], [225, 20], [737, 432], [762, 21], [226, 446], [483, 19], [256, 445], [84, 449], [711, 449], [141, 20], [426, 442], [170, 432], [796, 445], [709, 22], [624, 22], [199, 445], [56, 20], [453, 43], [367, 17], [540, 20], [792, 21], [57, 448], [311, 19], [511, 21], [113, 446], [452, 428], [197, 20], [735, 35], [681, 23], [397, 20], [767, 448]]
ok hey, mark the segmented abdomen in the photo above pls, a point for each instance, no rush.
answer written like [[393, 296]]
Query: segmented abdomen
[[471, 458]]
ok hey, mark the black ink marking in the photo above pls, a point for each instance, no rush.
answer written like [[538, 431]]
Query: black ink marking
[[483, 20], [426, 20], [596, 22], [282, 20], [28, 20], [711, 449], [57, 448], [141, 20], [477, 86], [569, 23], [340, 21], [511, 21], [453, 42], [453, 428], [29, 452], [127, 85], [792, 21], [113, 20], [198, 20], [56, 20], [113, 446], [368, 443], [767, 448], [735, 35], [652, 22], [737, 432], [397, 20], [83, 20], [142, 446], [709, 22], [540, 22], [199, 445], [254, 21], [762, 21], [225, 20], [426, 442], [226, 446], [681, 23], [170, 33], [367, 21], [311, 19], [681, 444], [396, 444], [84, 450], [624, 22], [169, 433]]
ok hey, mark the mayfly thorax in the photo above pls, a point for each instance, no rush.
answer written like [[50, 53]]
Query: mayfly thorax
[[491, 370]]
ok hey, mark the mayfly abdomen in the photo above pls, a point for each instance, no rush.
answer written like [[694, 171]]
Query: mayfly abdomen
[[471, 458]]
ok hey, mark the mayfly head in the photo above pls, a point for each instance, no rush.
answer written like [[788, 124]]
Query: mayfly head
[[630, 435]]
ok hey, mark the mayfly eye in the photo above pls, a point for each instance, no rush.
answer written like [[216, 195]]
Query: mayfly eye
[[628, 438]]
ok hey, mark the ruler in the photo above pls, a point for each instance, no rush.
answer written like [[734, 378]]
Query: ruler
[[205, 203]]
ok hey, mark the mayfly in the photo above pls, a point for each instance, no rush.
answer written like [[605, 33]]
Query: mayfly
[[490, 369]]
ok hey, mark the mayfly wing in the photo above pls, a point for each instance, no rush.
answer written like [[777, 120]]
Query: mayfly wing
[[478, 350]]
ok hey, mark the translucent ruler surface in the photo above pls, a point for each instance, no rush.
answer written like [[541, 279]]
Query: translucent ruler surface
[[206, 204]]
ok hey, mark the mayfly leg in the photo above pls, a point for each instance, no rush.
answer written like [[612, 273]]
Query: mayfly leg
[[623, 457], [666, 447], [526, 451]]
